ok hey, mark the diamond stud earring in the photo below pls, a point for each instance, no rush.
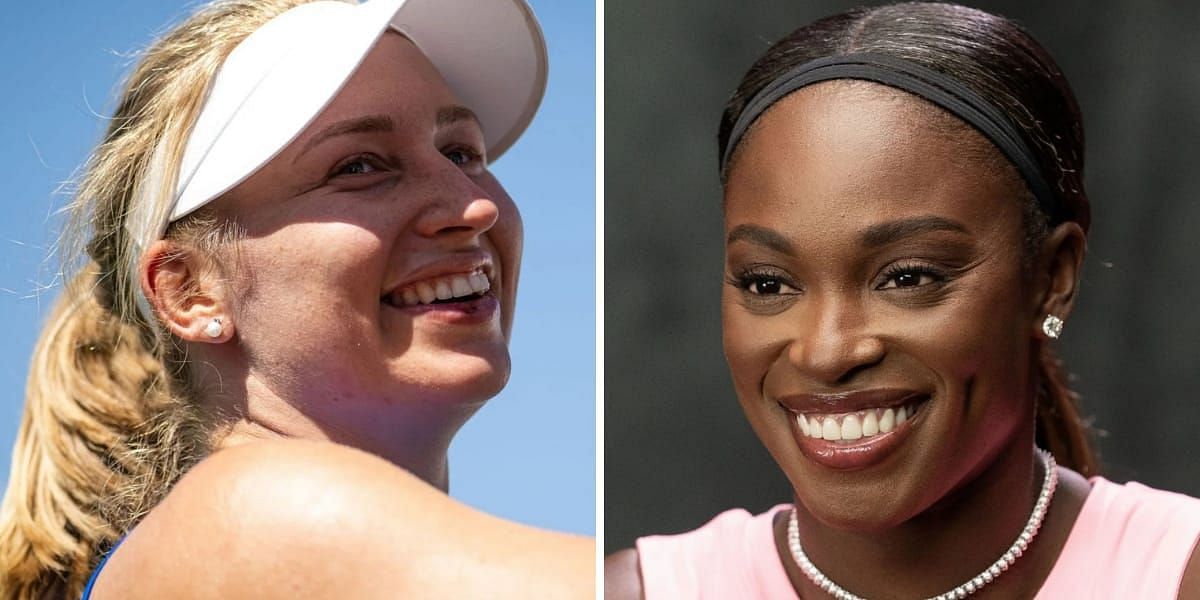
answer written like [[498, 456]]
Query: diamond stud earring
[[1052, 326], [213, 329]]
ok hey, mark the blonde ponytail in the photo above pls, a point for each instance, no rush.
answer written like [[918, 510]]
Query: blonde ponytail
[[109, 423], [100, 441]]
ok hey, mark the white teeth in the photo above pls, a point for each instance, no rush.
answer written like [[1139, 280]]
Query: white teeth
[[443, 288], [850, 428], [888, 421], [426, 293], [856, 425], [830, 430], [479, 282], [460, 287], [870, 425]]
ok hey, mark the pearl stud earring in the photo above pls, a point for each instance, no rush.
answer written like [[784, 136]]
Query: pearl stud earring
[[1052, 326], [213, 329]]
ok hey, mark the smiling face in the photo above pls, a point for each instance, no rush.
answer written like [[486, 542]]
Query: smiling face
[[875, 270], [379, 264]]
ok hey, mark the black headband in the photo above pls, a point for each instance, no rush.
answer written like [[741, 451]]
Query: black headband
[[934, 86]]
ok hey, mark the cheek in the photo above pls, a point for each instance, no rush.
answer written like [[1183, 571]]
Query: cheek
[[978, 346], [508, 232], [1002, 360], [507, 238], [750, 346], [508, 235], [302, 275]]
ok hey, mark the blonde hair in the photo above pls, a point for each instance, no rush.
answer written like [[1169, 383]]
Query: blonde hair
[[110, 423]]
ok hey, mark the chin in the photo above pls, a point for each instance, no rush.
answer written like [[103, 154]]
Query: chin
[[483, 386], [468, 379], [866, 501], [849, 508]]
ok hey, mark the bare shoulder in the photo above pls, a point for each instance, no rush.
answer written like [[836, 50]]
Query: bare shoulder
[[310, 519], [622, 577], [1189, 584]]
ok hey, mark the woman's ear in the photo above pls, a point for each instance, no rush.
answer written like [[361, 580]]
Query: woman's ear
[[1060, 266], [186, 292]]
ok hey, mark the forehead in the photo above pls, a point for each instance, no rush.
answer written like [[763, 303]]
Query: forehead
[[394, 76], [396, 91], [852, 154]]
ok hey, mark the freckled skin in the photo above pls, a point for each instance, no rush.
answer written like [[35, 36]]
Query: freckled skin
[[313, 355], [949, 314], [320, 355]]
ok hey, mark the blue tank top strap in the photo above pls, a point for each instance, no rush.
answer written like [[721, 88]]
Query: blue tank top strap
[[87, 591]]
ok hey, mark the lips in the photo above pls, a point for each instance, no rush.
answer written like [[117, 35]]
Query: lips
[[456, 289], [853, 430]]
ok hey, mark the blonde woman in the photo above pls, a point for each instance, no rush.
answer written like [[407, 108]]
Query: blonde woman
[[296, 281]]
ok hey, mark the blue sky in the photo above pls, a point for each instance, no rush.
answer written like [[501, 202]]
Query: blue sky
[[529, 455]]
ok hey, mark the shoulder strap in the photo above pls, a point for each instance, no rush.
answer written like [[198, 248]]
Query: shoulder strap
[[87, 591]]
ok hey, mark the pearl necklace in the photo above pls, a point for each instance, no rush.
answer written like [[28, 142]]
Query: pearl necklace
[[1049, 482]]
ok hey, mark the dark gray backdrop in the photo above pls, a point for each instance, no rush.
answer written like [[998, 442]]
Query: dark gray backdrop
[[677, 449]]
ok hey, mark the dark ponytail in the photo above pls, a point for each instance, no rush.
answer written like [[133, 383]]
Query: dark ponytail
[[1061, 428]]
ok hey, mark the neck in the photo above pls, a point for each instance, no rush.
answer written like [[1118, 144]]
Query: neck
[[939, 549], [414, 439]]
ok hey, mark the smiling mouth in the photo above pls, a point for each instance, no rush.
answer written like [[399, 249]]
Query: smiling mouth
[[857, 425], [446, 289]]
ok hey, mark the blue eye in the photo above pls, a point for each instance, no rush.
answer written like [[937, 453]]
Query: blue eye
[[359, 165], [463, 156]]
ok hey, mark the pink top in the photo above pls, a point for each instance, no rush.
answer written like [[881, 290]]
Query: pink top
[[1129, 541]]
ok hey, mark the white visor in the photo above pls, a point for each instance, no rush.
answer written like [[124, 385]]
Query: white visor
[[278, 80]]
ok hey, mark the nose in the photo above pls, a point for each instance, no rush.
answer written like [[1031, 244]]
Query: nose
[[455, 207], [832, 342]]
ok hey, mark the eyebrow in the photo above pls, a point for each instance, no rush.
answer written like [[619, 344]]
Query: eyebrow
[[367, 124], [761, 236], [875, 236], [893, 231], [447, 115]]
